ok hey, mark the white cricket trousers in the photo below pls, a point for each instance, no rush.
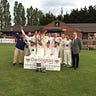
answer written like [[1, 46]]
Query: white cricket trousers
[[27, 51], [61, 52], [67, 57], [16, 53]]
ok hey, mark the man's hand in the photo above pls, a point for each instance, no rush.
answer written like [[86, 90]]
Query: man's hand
[[22, 31]]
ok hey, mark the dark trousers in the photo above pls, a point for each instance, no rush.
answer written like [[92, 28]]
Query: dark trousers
[[75, 60]]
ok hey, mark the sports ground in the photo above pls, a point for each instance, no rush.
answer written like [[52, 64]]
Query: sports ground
[[16, 81]]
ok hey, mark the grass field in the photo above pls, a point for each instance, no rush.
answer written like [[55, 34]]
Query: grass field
[[16, 81]]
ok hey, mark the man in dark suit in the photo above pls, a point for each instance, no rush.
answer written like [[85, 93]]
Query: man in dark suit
[[76, 47]]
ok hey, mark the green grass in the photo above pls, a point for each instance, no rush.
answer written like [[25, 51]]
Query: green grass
[[16, 81]]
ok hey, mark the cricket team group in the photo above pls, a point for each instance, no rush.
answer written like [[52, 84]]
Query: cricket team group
[[42, 44]]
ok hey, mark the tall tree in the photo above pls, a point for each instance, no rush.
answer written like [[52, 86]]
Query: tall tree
[[30, 16], [40, 18], [15, 13], [33, 16], [0, 15], [19, 14], [84, 15], [66, 18], [48, 18], [92, 14], [5, 17], [60, 17]]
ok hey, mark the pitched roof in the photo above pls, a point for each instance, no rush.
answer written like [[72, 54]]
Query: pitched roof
[[81, 27], [18, 28], [84, 27], [62, 26]]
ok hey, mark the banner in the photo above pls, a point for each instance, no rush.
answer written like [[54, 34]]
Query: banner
[[52, 64], [4, 40]]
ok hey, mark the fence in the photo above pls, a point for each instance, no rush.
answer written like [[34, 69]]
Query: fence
[[4, 40], [88, 44]]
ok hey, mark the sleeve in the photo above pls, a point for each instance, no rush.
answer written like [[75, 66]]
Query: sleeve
[[79, 43], [24, 34], [16, 35]]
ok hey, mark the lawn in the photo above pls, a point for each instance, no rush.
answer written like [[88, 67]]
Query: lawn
[[16, 81]]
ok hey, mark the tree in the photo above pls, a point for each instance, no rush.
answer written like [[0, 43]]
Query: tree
[[66, 18], [83, 15], [1, 15], [40, 18], [92, 14], [30, 16], [48, 18], [33, 16], [5, 17], [19, 14], [60, 17], [1, 35]]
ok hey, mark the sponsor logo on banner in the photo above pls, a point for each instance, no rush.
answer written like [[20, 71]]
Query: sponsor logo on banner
[[27, 60], [57, 61], [49, 63]]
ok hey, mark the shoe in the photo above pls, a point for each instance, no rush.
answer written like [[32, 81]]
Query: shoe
[[21, 63], [74, 68], [65, 65], [68, 66], [14, 64]]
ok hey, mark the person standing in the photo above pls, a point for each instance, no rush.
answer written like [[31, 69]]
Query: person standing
[[28, 41], [67, 51], [36, 36], [62, 40], [55, 39], [19, 50], [76, 47], [40, 46], [48, 50], [32, 48], [49, 39], [55, 50]]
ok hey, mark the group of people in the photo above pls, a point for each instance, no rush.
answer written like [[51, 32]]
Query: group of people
[[42, 44]]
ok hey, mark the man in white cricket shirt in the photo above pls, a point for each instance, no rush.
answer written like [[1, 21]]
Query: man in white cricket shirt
[[67, 51], [28, 40]]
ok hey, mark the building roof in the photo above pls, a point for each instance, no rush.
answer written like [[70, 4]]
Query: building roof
[[84, 27], [62, 26], [18, 28], [54, 29], [81, 27]]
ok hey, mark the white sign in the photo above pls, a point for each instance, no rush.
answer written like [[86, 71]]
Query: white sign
[[49, 63], [4, 40]]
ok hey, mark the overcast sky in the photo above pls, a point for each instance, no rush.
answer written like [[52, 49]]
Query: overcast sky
[[54, 5]]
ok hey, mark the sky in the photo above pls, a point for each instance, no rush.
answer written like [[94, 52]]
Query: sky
[[53, 6]]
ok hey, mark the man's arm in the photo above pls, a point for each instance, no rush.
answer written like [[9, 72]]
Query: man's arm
[[79, 43], [15, 34], [24, 34]]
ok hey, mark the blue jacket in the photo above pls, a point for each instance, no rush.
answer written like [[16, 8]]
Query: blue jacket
[[20, 42]]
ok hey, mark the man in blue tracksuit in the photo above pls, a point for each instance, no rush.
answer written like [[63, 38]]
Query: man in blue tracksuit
[[19, 50]]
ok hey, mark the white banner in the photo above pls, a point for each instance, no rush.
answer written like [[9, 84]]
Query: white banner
[[52, 64], [4, 40]]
